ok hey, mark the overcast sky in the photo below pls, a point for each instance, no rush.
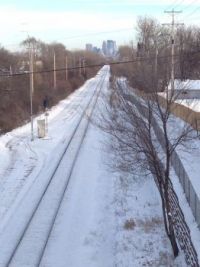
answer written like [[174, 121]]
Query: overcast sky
[[77, 22]]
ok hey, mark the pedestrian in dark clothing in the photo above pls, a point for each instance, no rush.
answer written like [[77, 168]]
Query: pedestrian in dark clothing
[[45, 102]]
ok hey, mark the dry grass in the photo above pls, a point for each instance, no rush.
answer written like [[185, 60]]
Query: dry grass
[[129, 224], [149, 225]]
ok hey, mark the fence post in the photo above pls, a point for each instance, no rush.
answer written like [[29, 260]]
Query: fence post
[[174, 162], [189, 185], [179, 169], [184, 183], [195, 206]]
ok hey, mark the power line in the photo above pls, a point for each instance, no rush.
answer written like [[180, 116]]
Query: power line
[[96, 33], [194, 11], [77, 36], [189, 9], [94, 65], [181, 2], [177, 3], [172, 4], [190, 4]]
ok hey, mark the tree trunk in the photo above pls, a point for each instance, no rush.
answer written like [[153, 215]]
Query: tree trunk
[[164, 213], [171, 235], [172, 239]]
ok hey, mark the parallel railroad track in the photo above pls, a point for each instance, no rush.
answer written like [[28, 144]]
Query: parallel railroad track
[[29, 249]]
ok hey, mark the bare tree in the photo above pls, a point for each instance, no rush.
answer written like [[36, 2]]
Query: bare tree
[[140, 121], [188, 43], [142, 140]]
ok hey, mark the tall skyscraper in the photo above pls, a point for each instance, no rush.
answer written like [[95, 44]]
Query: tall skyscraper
[[109, 48], [104, 48], [88, 47]]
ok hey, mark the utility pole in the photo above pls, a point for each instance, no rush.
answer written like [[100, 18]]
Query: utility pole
[[74, 64], [172, 24], [156, 61], [54, 71], [31, 87], [66, 65], [84, 70], [11, 72], [156, 67], [80, 66]]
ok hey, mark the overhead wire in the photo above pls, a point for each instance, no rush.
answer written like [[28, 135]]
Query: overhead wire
[[190, 4], [96, 33], [188, 7], [140, 59], [178, 4], [79, 36], [172, 4], [194, 11]]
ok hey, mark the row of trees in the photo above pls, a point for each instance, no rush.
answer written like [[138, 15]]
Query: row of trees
[[154, 44], [137, 145], [14, 90]]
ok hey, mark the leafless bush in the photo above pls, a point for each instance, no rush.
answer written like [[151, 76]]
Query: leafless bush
[[129, 224]]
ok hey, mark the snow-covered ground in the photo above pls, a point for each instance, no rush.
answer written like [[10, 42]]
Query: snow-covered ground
[[185, 85], [193, 104], [105, 219], [189, 153]]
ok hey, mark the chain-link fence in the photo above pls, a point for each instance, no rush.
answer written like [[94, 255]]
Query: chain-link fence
[[184, 179], [191, 195], [187, 186], [181, 228]]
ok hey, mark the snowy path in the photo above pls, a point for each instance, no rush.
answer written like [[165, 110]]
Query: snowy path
[[34, 234], [22, 160], [90, 228], [83, 233]]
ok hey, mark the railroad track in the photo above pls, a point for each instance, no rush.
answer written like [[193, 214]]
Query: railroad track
[[72, 108], [29, 248]]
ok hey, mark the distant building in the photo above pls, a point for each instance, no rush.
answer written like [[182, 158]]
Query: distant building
[[109, 48], [96, 49], [104, 48], [89, 47], [187, 89]]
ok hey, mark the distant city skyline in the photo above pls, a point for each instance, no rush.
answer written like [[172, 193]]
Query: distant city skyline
[[108, 48], [75, 23]]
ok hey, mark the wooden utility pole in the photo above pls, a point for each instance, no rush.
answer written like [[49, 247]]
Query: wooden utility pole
[[84, 70], [66, 65], [31, 87], [54, 71], [173, 24], [80, 66], [156, 62], [74, 64], [11, 73]]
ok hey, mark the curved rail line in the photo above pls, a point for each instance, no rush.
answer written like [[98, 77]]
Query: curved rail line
[[90, 105]]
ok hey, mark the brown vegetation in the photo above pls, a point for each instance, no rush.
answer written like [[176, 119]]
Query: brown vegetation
[[151, 69], [133, 121], [129, 224], [15, 90]]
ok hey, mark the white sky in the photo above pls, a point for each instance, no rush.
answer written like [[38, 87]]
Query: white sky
[[75, 22]]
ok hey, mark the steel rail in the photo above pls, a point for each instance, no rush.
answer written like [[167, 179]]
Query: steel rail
[[20, 240], [72, 168]]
